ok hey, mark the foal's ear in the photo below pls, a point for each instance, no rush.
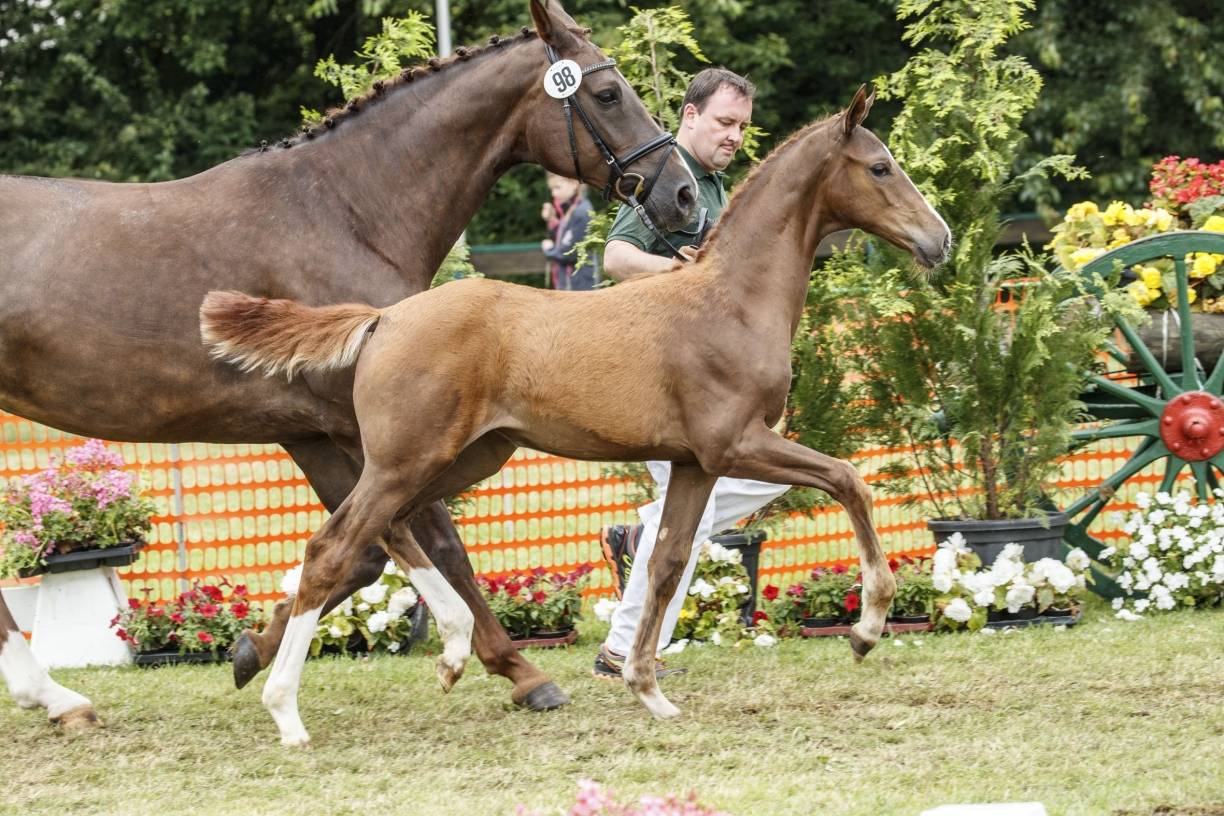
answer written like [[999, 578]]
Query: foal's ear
[[553, 24], [857, 112]]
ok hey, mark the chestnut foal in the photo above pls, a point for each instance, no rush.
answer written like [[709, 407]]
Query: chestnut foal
[[455, 379]]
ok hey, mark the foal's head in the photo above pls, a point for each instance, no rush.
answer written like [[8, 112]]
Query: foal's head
[[659, 177], [866, 189]]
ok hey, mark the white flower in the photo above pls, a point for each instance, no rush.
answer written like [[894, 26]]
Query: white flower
[[390, 568], [1157, 517], [1142, 604], [1138, 550], [604, 608], [987, 631], [1127, 615], [958, 610], [363, 607], [1011, 552], [290, 581], [1077, 559], [1117, 603], [944, 561], [1143, 501], [374, 593], [720, 554], [702, 587], [676, 646], [915, 642], [345, 608], [401, 601], [764, 640], [1176, 580], [393, 647], [378, 621], [1061, 579], [1107, 552], [984, 596], [1019, 595], [942, 581], [334, 631], [716, 637], [956, 541]]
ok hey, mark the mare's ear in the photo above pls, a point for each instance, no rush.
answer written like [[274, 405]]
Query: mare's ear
[[857, 112], [553, 25]]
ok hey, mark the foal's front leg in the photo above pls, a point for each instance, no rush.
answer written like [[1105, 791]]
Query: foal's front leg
[[687, 494], [768, 457]]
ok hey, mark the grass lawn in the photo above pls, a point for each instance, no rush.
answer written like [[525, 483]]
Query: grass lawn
[[1105, 717]]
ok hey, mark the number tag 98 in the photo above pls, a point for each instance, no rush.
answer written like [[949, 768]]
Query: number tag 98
[[562, 79]]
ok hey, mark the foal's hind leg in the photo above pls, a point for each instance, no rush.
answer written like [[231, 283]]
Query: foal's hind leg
[[766, 456], [361, 517], [687, 494], [30, 684]]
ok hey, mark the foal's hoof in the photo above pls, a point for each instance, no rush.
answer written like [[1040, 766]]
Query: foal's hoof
[[81, 718], [246, 660], [544, 697], [448, 674], [860, 646]]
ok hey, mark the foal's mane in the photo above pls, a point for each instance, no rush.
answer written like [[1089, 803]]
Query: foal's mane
[[380, 89], [798, 136]]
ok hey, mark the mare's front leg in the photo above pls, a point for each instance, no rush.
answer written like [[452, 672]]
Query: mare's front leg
[[30, 684], [687, 494], [768, 457]]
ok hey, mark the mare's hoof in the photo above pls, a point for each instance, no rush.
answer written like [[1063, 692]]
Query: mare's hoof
[[860, 646], [81, 718], [545, 697], [246, 660]]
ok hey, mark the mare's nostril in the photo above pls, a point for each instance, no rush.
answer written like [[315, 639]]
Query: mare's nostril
[[684, 196]]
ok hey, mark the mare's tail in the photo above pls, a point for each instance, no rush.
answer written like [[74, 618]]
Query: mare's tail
[[283, 336]]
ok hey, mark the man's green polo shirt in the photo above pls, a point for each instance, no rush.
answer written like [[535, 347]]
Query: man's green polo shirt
[[710, 195]]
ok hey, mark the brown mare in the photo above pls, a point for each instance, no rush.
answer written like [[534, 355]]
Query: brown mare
[[454, 379], [100, 285]]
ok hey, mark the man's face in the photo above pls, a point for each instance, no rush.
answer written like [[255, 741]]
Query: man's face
[[714, 134]]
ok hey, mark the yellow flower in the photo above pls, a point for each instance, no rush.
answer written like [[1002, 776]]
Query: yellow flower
[[1150, 276], [1134, 218], [686, 612], [1161, 219], [1142, 295], [1082, 256], [1191, 295], [1115, 213], [1203, 266], [1120, 237], [1082, 210], [1214, 224]]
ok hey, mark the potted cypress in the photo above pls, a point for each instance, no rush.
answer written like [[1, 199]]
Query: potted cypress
[[976, 374]]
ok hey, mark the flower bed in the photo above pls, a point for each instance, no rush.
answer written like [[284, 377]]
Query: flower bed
[[376, 618], [86, 501], [204, 620], [1174, 558], [537, 605]]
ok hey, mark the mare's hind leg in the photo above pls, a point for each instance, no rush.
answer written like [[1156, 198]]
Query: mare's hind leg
[[687, 494], [766, 456], [30, 684]]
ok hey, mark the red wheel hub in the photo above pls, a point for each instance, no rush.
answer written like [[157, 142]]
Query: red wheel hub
[[1192, 425]]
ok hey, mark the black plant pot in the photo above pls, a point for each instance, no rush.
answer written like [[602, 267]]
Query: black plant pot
[[119, 556], [166, 657], [1025, 613], [749, 546], [1041, 538], [821, 623], [909, 618]]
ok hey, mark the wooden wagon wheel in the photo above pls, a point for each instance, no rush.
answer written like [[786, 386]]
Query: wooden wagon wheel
[[1177, 415]]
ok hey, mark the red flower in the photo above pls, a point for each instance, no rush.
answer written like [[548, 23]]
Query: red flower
[[770, 592], [177, 617], [539, 572], [539, 597], [839, 568], [212, 592], [795, 590], [240, 591], [758, 616], [133, 603], [852, 601], [122, 634], [204, 637], [115, 620], [240, 610], [154, 611], [208, 610], [893, 564], [513, 588]]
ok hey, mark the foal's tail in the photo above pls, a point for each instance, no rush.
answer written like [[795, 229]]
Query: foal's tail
[[283, 336]]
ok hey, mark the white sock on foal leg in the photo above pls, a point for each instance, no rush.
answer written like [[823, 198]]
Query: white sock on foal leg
[[280, 692], [29, 682], [454, 619]]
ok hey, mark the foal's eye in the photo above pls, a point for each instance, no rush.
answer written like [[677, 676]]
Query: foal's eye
[[607, 97], [880, 170]]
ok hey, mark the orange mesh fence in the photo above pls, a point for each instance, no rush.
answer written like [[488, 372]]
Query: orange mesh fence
[[245, 512]]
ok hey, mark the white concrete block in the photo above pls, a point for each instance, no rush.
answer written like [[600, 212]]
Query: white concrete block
[[994, 809]]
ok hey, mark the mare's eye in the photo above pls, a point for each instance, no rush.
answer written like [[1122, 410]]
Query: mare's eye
[[880, 170], [607, 97]]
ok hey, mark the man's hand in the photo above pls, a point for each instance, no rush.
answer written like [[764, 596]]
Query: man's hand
[[546, 244], [623, 260]]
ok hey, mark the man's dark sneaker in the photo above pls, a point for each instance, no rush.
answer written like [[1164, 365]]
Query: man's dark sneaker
[[608, 666]]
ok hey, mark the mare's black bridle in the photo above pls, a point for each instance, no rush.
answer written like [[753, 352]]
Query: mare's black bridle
[[639, 192]]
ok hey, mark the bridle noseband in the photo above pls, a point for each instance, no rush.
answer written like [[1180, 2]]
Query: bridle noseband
[[618, 174]]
